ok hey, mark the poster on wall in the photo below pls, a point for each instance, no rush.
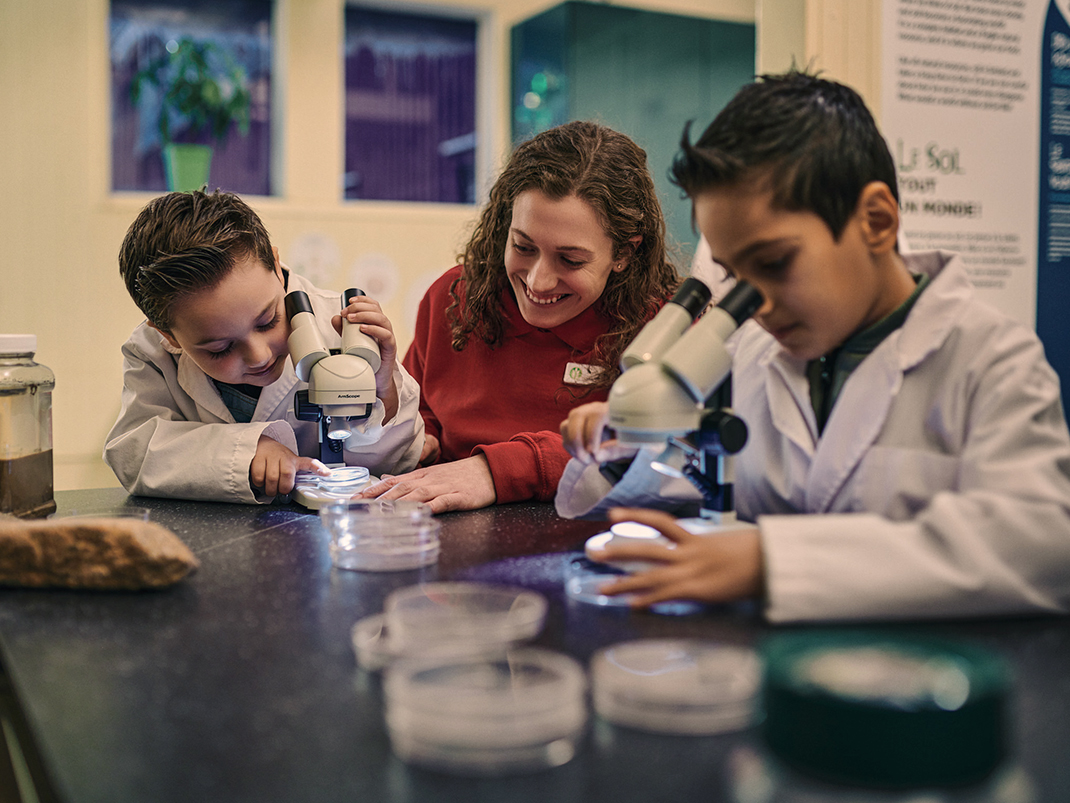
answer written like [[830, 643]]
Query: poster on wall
[[1053, 223], [960, 107]]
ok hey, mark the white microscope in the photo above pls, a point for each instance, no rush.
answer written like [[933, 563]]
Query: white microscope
[[341, 389], [675, 389]]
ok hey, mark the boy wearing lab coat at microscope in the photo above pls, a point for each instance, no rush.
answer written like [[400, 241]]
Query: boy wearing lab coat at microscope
[[208, 383], [919, 429]]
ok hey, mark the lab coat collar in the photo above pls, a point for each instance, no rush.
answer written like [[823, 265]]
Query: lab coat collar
[[938, 309], [200, 388], [860, 413]]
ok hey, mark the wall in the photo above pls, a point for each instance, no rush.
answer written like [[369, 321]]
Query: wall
[[61, 227]]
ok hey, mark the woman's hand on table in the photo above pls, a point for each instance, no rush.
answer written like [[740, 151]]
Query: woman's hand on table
[[459, 485], [708, 568]]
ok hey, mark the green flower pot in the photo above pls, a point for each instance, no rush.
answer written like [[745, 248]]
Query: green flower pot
[[187, 166]]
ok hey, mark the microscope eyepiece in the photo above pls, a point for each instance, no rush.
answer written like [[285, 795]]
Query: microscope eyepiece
[[297, 302], [350, 294], [741, 302], [693, 296]]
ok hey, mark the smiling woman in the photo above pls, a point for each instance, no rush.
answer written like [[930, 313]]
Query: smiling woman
[[558, 259], [566, 263]]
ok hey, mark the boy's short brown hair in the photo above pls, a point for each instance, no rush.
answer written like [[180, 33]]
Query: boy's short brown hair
[[184, 242], [812, 139]]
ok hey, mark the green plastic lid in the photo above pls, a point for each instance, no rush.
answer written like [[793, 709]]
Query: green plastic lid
[[884, 711]]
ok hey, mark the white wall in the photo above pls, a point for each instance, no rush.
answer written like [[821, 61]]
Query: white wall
[[60, 226]]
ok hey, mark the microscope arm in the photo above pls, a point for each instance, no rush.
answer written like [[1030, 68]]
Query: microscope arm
[[665, 396]]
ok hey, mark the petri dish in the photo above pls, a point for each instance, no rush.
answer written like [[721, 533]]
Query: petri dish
[[678, 686], [584, 579], [521, 712], [376, 648], [315, 492], [381, 534], [464, 612]]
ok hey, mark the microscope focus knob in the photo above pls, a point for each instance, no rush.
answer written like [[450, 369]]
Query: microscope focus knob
[[724, 428]]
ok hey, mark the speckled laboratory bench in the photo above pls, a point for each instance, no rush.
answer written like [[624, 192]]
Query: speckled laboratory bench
[[240, 683]]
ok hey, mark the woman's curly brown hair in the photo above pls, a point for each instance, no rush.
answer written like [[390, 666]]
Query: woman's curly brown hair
[[608, 171]]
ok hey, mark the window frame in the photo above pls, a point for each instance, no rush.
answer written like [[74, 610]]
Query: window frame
[[487, 103]]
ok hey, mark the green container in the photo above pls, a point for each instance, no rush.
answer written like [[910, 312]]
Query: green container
[[883, 711], [187, 166]]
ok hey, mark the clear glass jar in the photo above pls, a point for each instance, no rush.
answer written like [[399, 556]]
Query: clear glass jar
[[26, 484]]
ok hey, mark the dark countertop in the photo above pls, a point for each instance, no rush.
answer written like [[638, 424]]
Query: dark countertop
[[240, 683]]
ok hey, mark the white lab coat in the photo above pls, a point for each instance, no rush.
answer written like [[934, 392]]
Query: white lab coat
[[176, 438], [939, 488]]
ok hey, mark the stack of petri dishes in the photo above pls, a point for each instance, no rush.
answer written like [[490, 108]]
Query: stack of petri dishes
[[461, 692], [381, 535], [677, 686]]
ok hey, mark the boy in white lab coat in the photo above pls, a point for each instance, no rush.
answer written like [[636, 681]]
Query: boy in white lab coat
[[208, 384], [921, 430]]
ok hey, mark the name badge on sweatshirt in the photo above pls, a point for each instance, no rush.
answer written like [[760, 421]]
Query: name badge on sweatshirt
[[579, 374]]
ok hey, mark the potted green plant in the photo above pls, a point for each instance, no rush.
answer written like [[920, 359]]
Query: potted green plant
[[201, 92]]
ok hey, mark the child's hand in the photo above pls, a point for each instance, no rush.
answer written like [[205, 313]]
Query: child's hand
[[373, 322], [274, 467], [582, 433], [707, 568]]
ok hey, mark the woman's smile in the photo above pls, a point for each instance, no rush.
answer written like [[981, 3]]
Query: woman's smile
[[558, 257]]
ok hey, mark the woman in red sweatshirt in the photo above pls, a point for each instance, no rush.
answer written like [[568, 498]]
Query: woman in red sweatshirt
[[566, 263]]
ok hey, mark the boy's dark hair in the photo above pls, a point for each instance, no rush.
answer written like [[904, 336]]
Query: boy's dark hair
[[813, 140], [184, 242]]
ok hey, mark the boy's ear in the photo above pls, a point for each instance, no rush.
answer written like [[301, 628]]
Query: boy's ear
[[879, 216], [277, 267], [166, 335]]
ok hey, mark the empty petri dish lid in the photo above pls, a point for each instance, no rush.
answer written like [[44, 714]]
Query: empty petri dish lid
[[474, 612], [376, 649], [680, 686], [523, 711], [344, 478], [342, 483]]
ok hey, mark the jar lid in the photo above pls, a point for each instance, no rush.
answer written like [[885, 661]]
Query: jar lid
[[18, 344], [882, 711], [520, 712], [681, 686]]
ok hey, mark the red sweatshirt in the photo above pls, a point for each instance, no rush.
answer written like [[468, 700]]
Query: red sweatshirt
[[505, 402]]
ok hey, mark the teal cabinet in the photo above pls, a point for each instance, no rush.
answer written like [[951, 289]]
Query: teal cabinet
[[643, 73]]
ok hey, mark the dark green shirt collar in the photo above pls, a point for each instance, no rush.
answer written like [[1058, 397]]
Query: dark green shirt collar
[[828, 374]]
